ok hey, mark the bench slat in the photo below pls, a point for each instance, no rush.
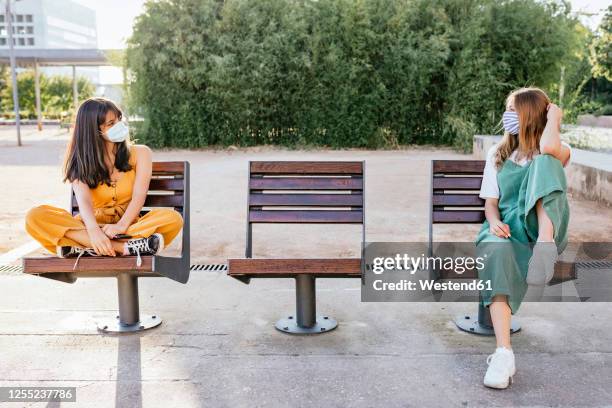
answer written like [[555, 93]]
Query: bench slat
[[457, 200], [458, 166], [564, 271], [36, 265], [292, 267], [306, 183], [457, 183], [306, 167], [306, 216], [458, 217], [165, 200], [322, 200], [168, 168], [152, 200], [167, 184]]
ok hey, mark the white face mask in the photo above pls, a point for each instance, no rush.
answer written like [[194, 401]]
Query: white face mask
[[511, 122], [118, 132]]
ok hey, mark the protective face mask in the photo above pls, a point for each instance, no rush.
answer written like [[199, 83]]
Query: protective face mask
[[511, 122], [118, 132]]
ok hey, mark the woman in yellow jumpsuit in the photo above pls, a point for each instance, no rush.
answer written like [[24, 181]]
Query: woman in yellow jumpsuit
[[110, 177]]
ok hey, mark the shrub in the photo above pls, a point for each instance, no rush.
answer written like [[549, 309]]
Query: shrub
[[341, 73]]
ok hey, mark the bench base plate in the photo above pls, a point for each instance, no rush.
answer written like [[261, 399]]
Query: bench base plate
[[115, 326], [322, 325], [470, 324]]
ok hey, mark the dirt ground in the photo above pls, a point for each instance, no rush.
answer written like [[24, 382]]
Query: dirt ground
[[397, 198]]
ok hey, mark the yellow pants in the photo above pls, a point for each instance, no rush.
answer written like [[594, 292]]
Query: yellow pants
[[48, 225]]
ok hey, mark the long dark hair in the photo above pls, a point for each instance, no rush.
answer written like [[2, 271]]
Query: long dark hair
[[86, 151]]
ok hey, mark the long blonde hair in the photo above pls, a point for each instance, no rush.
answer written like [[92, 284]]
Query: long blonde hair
[[530, 105]]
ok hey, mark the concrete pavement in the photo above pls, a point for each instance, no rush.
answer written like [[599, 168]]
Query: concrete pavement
[[217, 346]]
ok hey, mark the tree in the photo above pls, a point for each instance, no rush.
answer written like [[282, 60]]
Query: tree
[[601, 48], [55, 94], [3, 84]]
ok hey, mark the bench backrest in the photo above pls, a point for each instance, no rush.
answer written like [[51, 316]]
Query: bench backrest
[[455, 185], [169, 187], [305, 192]]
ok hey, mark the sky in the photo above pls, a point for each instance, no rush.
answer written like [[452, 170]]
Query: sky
[[115, 19], [597, 7]]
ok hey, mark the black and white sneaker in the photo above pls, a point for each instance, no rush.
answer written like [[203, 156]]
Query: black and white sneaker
[[145, 246], [74, 252]]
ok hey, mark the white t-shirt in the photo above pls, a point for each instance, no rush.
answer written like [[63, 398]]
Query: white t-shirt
[[489, 187]]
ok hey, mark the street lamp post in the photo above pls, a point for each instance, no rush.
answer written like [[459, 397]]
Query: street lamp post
[[9, 19]]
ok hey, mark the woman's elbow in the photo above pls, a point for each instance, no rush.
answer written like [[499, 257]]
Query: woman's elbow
[[554, 149]]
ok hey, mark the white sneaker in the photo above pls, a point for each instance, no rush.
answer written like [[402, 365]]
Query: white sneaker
[[501, 369]]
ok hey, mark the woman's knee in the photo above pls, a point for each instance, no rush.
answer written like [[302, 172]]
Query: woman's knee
[[546, 160], [35, 214], [171, 217]]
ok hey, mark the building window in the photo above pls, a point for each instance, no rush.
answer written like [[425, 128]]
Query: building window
[[29, 30], [2, 41], [21, 41], [30, 40], [2, 30], [20, 30], [1, 18], [28, 18], [20, 18]]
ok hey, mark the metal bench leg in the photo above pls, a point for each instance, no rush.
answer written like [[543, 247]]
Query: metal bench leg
[[306, 320], [482, 324], [128, 319]]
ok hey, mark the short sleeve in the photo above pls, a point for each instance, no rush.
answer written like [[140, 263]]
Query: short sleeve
[[569, 159], [489, 187]]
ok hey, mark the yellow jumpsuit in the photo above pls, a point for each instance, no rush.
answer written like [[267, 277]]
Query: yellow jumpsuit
[[48, 225]]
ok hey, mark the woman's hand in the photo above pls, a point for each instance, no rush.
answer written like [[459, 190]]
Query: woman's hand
[[100, 242], [555, 114], [500, 229], [111, 230]]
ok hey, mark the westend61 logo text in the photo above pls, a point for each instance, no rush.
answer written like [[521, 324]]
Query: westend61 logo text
[[412, 264]]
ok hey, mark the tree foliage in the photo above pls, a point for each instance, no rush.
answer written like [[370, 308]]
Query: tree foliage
[[601, 49], [55, 94], [339, 73]]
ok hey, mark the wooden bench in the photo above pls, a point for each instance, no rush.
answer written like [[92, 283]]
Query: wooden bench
[[302, 193], [455, 200], [169, 187]]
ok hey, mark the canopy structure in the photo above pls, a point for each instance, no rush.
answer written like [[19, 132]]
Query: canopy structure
[[33, 57], [59, 57]]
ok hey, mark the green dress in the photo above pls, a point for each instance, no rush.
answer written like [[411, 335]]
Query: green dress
[[520, 187]]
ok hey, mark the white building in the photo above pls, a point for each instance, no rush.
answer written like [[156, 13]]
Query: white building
[[52, 24]]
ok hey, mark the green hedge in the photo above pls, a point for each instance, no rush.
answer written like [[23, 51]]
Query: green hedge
[[341, 73]]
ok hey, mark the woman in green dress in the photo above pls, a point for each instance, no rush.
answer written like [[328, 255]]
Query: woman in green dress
[[527, 215]]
